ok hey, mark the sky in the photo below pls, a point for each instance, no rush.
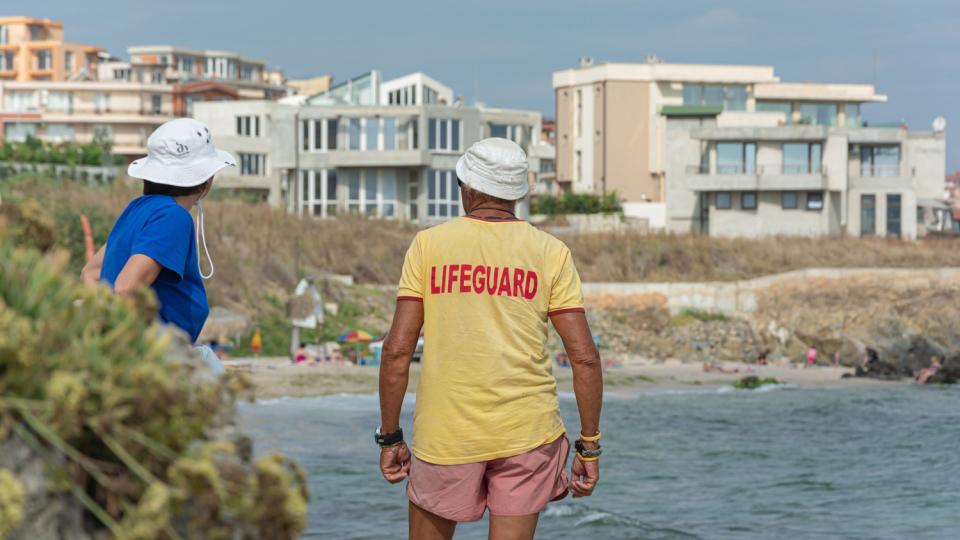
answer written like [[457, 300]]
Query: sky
[[503, 52]]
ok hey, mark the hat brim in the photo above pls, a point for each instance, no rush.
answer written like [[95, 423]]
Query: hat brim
[[479, 183], [189, 176]]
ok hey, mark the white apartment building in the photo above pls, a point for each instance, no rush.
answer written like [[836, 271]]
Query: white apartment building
[[379, 149], [822, 172]]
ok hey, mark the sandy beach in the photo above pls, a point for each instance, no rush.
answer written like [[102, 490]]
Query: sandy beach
[[276, 377]]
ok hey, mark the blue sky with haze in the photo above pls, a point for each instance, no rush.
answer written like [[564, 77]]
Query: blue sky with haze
[[503, 52]]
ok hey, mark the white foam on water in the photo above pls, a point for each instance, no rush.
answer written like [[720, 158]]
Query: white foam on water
[[592, 517]]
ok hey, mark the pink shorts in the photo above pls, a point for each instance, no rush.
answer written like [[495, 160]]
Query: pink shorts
[[512, 486]]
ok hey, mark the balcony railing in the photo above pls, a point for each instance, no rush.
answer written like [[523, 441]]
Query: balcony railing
[[879, 170], [760, 170]]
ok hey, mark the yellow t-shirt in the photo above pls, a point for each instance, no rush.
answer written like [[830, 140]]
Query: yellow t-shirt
[[486, 387]]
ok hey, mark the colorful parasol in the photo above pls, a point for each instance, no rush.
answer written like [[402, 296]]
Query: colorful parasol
[[356, 336]]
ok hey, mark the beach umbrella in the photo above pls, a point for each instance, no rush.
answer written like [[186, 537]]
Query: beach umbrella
[[356, 336]]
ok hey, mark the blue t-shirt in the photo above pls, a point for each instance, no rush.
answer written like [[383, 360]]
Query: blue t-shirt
[[158, 227]]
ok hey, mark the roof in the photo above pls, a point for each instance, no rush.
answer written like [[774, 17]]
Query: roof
[[691, 110], [818, 92], [698, 73]]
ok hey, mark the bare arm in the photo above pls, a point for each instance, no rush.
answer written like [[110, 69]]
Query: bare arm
[[395, 361], [91, 271], [140, 271], [587, 372]]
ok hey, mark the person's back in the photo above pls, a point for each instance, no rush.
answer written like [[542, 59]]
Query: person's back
[[486, 388]]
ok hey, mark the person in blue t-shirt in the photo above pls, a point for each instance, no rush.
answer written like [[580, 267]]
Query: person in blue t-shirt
[[154, 242]]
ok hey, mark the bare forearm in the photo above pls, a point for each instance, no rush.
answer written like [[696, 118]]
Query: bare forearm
[[588, 388], [394, 378]]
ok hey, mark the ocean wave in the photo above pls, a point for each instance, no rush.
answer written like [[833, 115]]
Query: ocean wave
[[585, 516]]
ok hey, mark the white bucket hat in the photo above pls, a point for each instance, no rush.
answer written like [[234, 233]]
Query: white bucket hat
[[497, 167], [180, 153]]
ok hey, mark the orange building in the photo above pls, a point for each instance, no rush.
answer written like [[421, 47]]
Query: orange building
[[33, 50]]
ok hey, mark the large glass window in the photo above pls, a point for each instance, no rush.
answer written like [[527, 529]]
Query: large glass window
[[880, 160], [789, 200], [723, 200], [893, 214], [19, 101], [821, 114], [18, 132], [777, 106], [353, 191], [68, 61], [851, 115], [4, 35], [389, 133], [353, 134], [371, 131], [61, 102], [7, 61], [156, 104], [252, 164], [388, 193], [318, 192], [441, 134], [101, 102], [815, 200], [60, 133], [868, 215], [733, 97], [736, 158], [801, 158], [249, 126], [372, 192], [44, 59], [443, 194]]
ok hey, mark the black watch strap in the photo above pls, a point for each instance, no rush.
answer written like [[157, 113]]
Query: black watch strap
[[388, 439], [578, 445]]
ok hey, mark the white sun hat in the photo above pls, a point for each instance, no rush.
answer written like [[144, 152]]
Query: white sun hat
[[497, 167], [180, 153]]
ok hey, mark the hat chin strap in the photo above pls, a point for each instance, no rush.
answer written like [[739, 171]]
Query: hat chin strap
[[202, 235]]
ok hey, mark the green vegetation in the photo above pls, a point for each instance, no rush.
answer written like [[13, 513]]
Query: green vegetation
[[689, 315], [34, 150], [576, 203], [87, 376], [751, 382]]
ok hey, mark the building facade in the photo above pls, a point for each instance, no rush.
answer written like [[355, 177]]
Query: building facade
[[79, 112], [350, 153], [767, 173], [33, 50]]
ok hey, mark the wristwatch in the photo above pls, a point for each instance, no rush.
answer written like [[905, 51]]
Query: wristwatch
[[388, 439], [584, 453]]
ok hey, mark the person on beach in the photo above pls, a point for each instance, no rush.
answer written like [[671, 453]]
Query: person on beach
[[929, 371], [154, 242], [812, 356], [487, 427]]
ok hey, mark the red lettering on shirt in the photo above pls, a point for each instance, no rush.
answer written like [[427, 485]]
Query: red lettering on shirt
[[479, 273], [465, 277], [434, 289], [530, 290], [453, 276], [492, 281], [518, 275], [504, 282]]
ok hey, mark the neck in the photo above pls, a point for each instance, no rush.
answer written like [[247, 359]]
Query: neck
[[187, 201], [493, 210]]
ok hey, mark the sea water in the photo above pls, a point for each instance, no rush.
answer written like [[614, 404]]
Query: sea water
[[858, 462]]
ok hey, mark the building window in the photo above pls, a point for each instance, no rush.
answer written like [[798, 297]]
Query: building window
[[371, 132], [248, 125], [893, 215], [815, 200], [519, 133], [68, 61], [578, 166], [156, 76], [868, 215], [777, 106], [18, 132], [851, 115], [445, 134], [156, 104], [61, 102], [443, 194], [44, 59], [252, 164], [389, 133], [7, 61], [802, 158], [22, 101], [59, 133], [4, 35], [731, 96], [880, 160], [353, 134], [819, 114], [723, 200], [372, 192], [789, 200], [190, 100], [318, 192], [748, 200], [103, 132], [36, 32], [578, 123], [413, 196], [101, 102], [736, 158]]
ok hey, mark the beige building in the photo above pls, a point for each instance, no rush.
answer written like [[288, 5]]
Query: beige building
[[123, 112], [33, 50], [311, 86], [611, 135]]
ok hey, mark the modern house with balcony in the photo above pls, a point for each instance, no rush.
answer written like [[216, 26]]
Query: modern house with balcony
[[615, 126], [33, 49], [379, 149], [798, 167]]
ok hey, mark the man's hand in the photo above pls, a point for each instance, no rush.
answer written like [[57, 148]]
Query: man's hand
[[395, 462], [584, 477]]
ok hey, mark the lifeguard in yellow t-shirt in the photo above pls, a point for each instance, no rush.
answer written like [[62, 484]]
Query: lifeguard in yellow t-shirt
[[487, 432]]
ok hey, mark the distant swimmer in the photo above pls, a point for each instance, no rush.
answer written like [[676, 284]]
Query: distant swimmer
[[487, 431], [929, 371]]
